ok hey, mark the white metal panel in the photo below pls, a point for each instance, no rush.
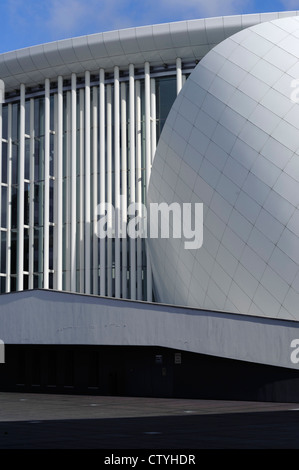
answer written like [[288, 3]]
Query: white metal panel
[[96, 46], [127, 38], [12, 63], [81, 49], [50, 50], [161, 34], [179, 34], [112, 43], [23, 56], [145, 39], [248, 186], [197, 31], [66, 50], [215, 30]]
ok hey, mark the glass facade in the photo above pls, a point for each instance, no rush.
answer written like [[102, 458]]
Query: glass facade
[[66, 147]]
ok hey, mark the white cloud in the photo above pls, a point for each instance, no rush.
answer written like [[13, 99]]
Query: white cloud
[[74, 17], [290, 5], [204, 8], [49, 20], [65, 16]]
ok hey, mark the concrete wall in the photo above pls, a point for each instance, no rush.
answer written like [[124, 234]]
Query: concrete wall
[[56, 318]]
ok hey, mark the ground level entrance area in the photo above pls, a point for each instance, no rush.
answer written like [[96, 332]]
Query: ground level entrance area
[[142, 372]]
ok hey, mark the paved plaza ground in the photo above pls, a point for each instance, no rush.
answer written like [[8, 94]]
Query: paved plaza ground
[[36, 421]]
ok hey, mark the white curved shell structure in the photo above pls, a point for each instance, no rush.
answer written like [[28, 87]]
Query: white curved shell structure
[[231, 141]]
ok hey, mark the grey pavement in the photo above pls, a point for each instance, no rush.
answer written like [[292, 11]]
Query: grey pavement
[[49, 421]]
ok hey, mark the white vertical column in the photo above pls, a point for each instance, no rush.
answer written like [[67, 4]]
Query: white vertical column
[[21, 169], [153, 150], [40, 218], [55, 205], [9, 197], [153, 119], [81, 183], [179, 77], [117, 182], [95, 186], [148, 158], [124, 201], [109, 189], [31, 197], [67, 193], [47, 185], [1, 134], [102, 179], [73, 184], [139, 183], [132, 176], [147, 99], [87, 184], [59, 188]]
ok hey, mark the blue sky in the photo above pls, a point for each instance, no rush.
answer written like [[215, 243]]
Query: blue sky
[[30, 22]]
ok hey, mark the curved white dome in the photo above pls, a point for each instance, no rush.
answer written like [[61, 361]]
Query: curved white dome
[[231, 141]]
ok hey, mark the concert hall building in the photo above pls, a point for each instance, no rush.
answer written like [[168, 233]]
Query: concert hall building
[[199, 111]]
